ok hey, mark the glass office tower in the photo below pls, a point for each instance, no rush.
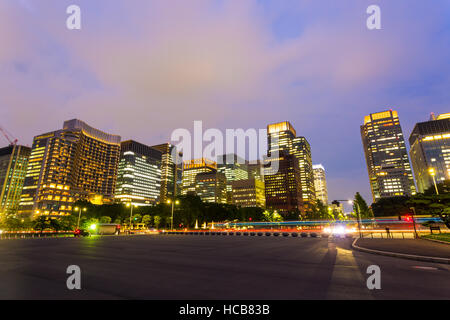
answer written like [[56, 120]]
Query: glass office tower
[[430, 149], [387, 160], [139, 174], [13, 168]]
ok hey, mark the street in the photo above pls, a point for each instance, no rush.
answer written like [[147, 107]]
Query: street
[[210, 267]]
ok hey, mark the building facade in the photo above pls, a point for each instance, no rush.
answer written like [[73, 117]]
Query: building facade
[[168, 159], [320, 183], [78, 162], [13, 168], [233, 167], [282, 185], [282, 139], [430, 149], [139, 174], [387, 160], [211, 187], [191, 168], [249, 193]]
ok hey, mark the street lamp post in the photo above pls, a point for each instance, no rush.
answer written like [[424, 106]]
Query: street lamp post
[[414, 222], [175, 178], [432, 173], [79, 215], [129, 204]]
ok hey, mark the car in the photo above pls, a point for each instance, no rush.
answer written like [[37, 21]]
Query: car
[[81, 233]]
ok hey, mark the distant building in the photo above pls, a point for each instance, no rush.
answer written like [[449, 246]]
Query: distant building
[[168, 170], [255, 170], [387, 161], [191, 168], [13, 168], [78, 162], [234, 168], [320, 183], [249, 193], [282, 138], [211, 187], [139, 175], [430, 148], [282, 186]]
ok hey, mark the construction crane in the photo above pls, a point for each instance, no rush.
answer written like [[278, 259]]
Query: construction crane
[[12, 141]]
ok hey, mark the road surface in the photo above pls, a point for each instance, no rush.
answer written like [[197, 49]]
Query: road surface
[[210, 267]]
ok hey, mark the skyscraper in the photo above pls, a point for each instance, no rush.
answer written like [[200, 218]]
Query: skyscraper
[[211, 187], [234, 168], [168, 170], [282, 186], [249, 193], [77, 162], [282, 138], [320, 183], [13, 168], [191, 168], [430, 149], [386, 157], [139, 175]]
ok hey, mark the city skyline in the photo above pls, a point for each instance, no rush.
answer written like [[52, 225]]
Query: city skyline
[[403, 67]]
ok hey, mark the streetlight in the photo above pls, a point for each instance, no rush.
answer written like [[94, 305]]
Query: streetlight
[[79, 215], [175, 179], [176, 202], [130, 205], [432, 173], [414, 222]]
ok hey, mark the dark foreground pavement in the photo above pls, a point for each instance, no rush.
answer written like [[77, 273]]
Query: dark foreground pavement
[[201, 267], [408, 246]]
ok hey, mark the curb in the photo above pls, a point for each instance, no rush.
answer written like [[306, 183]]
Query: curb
[[434, 240], [400, 255]]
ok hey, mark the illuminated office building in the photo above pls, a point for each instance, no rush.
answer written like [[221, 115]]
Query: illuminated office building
[[282, 138], [255, 170], [282, 184], [430, 149], [13, 168], [139, 174], [234, 168], [168, 171], [211, 187], [191, 168], [249, 193], [320, 183], [386, 156], [78, 162]]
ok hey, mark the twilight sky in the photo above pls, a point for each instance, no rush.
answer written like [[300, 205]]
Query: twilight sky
[[143, 68]]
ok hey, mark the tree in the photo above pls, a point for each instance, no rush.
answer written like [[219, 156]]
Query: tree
[[272, 216], [105, 219], [360, 206], [147, 220], [436, 205], [41, 223], [157, 221], [392, 206], [137, 218]]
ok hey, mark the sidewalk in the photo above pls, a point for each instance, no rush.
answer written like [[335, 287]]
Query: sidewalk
[[422, 250]]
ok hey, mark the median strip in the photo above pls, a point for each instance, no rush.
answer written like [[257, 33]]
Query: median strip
[[400, 255]]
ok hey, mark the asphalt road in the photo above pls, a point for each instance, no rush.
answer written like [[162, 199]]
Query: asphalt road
[[210, 267]]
